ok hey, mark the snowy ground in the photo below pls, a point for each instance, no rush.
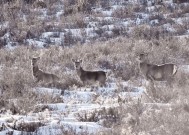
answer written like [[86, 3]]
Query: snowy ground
[[108, 24], [76, 101], [56, 118], [102, 24]]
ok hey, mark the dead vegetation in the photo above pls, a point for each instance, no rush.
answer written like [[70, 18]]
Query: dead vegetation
[[75, 15], [124, 12], [162, 110], [16, 71], [106, 117], [17, 82], [167, 115], [75, 6]]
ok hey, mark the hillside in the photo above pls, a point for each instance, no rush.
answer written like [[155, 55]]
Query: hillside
[[108, 35], [63, 22]]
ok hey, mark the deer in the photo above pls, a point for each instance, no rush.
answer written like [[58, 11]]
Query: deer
[[89, 76], [41, 75], [156, 72]]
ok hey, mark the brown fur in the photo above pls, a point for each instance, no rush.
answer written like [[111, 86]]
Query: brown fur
[[90, 76], [42, 76], [157, 72]]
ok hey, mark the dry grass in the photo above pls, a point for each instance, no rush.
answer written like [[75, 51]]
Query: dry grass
[[144, 117], [117, 55], [105, 116], [149, 33], [179, 1], [124, 12], [16, 14], [74, 21], [74, 6], [169, 111], [154, 119]]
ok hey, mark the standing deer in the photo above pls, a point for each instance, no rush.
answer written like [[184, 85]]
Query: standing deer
[[42, 76], [89, 76], [156, 72]]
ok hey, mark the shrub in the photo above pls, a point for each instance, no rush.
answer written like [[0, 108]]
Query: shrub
[[40, 4], [123, 12], [74, 21], [179, 1], [73, 6], [106, 116]]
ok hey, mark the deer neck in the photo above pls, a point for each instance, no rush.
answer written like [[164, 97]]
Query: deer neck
[[35, 70], [80, 71]]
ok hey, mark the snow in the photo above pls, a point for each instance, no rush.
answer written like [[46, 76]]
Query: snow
[[101, 20], [76, 100], [153, 22], [47, 90], [80, 97], [107, 13], [169, 27], [4, 25], [36, 43], [75, 32], [49, 34], [11, 45], [151, 8], [89, 127], [59, 13], [90, 33], [57, 41]]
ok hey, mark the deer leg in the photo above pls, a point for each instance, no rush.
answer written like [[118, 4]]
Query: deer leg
[[53, 83], [149, 77], [152, 87], [84, 83], [102, 84]]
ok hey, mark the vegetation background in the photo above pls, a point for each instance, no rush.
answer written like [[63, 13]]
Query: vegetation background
[[163, 109]]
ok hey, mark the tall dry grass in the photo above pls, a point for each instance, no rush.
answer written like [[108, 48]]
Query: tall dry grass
[[167, 112], [118, 55]]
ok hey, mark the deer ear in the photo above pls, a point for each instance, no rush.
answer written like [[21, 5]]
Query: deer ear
[[30, 57], [38, 58], [73, 60], [80, 60]]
